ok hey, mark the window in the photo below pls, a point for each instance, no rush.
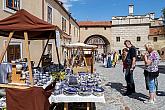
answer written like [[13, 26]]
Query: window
[[138, 38], [86, 28], [49, 19], [77, 33], [96, 41], [12, 5], [155, 39], [63, 24], [105, 28], [70, 28], [14, 51], [117, 39]]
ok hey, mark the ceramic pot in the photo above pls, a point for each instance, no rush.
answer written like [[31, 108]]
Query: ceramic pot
[[18, 66]]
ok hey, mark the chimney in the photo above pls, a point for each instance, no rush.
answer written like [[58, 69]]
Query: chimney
[[60, 2], [131, 6], [152, 15]]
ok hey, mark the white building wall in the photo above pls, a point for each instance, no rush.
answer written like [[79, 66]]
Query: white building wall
[[129, 33]]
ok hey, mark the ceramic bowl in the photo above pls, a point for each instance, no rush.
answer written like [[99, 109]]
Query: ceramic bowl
[[18, 66], [12, 61]]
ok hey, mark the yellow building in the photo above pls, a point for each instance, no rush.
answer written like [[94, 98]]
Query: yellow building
[[51, 11], [107, 35]]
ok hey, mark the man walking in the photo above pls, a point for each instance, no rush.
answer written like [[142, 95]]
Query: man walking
[[131, 62]]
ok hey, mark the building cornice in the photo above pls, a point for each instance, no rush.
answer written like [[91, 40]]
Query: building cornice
[[95, 23], [58, 2], [94, 26], [142, 24]]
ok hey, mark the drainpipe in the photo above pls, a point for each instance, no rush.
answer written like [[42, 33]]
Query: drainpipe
[[43, 42], [69, 24], [79, 35]]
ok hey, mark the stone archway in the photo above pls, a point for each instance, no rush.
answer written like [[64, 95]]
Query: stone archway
[[162, 53], [99, 40]]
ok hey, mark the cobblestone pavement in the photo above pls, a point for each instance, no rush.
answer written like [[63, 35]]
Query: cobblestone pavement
[[114, 84]]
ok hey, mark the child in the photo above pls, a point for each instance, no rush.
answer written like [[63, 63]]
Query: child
[[124, 55]]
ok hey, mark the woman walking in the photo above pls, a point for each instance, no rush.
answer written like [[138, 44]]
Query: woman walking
[[105, 60], [109, 62], [151, 59], [115, 58]]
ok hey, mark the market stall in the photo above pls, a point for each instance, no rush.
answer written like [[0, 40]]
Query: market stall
[[80, 57], [81, 83], [23, 25]]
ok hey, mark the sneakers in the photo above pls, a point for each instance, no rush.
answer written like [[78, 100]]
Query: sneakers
[[149, 102]]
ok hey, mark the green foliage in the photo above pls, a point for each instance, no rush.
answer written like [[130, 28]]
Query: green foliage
[[58, 75], [163, 11]]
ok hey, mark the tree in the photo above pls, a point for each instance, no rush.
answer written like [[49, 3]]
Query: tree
[[163, 11]]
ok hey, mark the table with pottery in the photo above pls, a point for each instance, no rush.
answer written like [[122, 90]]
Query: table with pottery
[[81, 87]]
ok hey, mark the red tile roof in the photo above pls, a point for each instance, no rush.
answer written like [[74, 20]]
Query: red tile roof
[[95, 23], [157, 31]]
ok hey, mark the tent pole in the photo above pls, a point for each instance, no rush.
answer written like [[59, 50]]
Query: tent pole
[[28, 57], [44, 49], [6, 46], [92, 61]]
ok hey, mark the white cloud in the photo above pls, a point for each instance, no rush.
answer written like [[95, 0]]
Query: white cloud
[[68, 3]]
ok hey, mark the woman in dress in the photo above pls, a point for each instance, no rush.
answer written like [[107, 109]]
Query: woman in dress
[[109, 62]]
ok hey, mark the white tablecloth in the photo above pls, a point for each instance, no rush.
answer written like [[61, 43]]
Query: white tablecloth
[[76, 98]]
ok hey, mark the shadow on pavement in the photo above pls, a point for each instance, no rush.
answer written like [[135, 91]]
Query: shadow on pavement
[[161, 68], [160, 93], [118, 86], [139, 96], [102, 66], [122, 89]]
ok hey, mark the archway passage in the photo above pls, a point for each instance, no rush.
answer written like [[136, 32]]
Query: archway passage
[[102, 43], [162, 53]]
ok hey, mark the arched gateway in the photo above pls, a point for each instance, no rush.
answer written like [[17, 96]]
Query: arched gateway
[[162, 54], [102, 43]]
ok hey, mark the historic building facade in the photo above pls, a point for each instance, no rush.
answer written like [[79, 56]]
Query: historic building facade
[[97, 33], [51, 11], [136, 28], [107, 35]]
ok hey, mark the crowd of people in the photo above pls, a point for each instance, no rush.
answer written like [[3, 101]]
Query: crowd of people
[[129, 58], [109, 60]]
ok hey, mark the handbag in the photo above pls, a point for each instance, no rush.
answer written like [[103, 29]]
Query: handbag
[[154, 74]]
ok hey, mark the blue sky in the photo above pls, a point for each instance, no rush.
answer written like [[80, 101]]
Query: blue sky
[[103, 10]]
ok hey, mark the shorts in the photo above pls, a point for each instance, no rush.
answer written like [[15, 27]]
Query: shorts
[[152, 85]]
